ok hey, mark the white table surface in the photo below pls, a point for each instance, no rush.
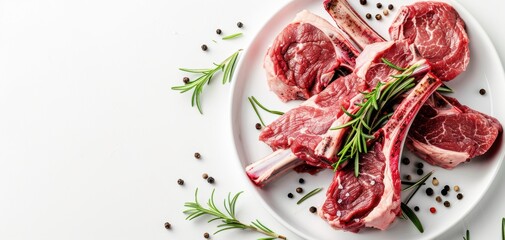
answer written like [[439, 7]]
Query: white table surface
[[92, 139]]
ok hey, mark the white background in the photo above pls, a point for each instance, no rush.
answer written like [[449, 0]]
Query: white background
[[92, 139]]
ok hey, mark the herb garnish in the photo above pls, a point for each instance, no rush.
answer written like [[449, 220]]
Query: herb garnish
[[255, 102], [232, 36], [467, 235], [408, 213], [227, 67], [444, 88], [372, 114], [310, 194], [228, 219]]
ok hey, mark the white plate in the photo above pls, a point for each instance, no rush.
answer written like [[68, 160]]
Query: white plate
[[474, 178]]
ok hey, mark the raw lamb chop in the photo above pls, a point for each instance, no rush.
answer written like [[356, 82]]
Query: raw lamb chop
[[373, 198], [304, 57], [439, 34], [446, 133]]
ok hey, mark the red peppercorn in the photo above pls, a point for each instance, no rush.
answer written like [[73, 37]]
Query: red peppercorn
[[433, 210]]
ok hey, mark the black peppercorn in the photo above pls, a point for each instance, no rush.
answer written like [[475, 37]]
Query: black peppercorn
[[429, 191], [368, 15], [197, 155], [444, 192], [459, 196], [206, 235], [168, 225], [299, 190], [290, 195], [408, 177], [210, 180], [447, 188], [180, 181], [420, 171], [312, 209], [301, 181], [362, 2], [240, 24], [420, 165], [379, 5], [416, 208], [390, 6], [185, 80], [218, 31], [378, 17], [482, 91], [447, 204], [258, 126], [204, 47], [406, 161]]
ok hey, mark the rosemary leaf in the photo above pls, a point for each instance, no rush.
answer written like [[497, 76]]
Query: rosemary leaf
[[228, 219], [256, 111], [445, 89], [412, 216], [255, 102], [232, 36], [205, 76], [391, 65], [309, 195], [467, 235], [419, 182]]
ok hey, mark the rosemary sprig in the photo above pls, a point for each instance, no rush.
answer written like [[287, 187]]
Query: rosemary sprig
[[408, 213], [467, 235], [232, 36], [227, 67], [254, 102], [372, 114], [416, 186], [310, 194], [228, 218]]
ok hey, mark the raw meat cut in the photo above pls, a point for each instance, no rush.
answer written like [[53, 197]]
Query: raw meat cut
[[373, 198], [446, 133], [304, 57], [439, 34], [432, 138], [305, 130]]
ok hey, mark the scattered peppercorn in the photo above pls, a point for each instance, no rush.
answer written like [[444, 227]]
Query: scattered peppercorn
[[312, 209], [429, 191], [438, 198], [218, 31], [362, 2], [258, 126], [368, 16], [447, 204], [204, 47], [299, 190], [378, 17], [185, 80], [385, 12], [301, 181], [390, 6], [180, 181], [290, 195], [206, 235], [459, 196], [420, 171], [419, 165], [408, 177], [168, 225], [205, 176], [433, 210], [456, 188], [210, 180], [416, 208], [446, 187], [379, 5], [240, 24], [444, 192], [406, 161], [197, 155], [435, 181], [482, 91]]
